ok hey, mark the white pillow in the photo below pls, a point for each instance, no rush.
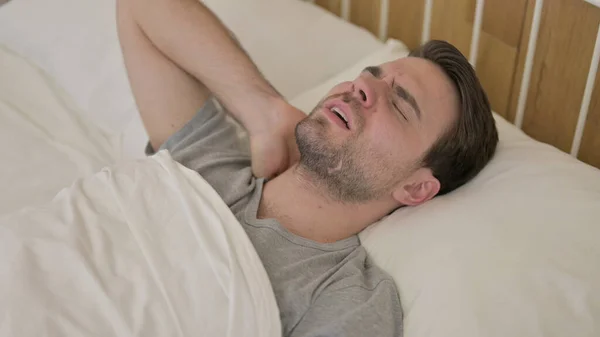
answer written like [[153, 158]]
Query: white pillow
[[296, 44], [515, 252]]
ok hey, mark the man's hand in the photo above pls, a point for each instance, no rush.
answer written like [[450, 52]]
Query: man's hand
[[273, 147]]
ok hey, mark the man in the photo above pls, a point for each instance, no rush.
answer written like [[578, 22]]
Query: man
[[398, 135]]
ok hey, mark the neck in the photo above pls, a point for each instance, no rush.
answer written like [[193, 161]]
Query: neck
[[304, 208]]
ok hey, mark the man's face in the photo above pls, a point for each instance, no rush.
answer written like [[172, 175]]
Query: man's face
[[368, 136]]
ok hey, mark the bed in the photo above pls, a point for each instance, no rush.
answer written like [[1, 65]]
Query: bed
[[515, 252]]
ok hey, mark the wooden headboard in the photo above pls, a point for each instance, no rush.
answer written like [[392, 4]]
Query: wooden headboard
[[551, 107]]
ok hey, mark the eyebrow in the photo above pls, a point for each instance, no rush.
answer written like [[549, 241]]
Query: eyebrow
[[374, 70], [399, 90], [405, 95]]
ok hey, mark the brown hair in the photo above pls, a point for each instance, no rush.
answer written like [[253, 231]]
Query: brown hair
[[469, 144]]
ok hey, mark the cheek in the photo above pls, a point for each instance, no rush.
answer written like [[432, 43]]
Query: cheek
[[393, 143], [382, 164]]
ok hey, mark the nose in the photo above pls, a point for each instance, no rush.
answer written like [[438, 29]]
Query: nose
[[364, 91]]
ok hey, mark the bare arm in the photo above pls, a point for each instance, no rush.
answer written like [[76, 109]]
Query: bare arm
[[189, 34], [177, 54]]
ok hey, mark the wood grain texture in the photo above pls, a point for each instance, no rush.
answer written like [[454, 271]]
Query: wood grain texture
[[496, 63], [563, 53], [499, 42], [504, 20], [452, 21], [405, 21], [499, 49], [365, 13], [334, 6]]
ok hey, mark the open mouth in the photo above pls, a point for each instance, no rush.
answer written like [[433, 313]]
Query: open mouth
[[340, 115]]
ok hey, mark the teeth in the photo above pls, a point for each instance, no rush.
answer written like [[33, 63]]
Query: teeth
[[339, 112]]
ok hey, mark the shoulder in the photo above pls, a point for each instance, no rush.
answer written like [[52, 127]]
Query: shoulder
[[364, 301], [354, 308], [366, 286], [360, 271], [371, 286]]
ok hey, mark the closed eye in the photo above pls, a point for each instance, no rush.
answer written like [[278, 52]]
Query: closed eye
[[400, 111]]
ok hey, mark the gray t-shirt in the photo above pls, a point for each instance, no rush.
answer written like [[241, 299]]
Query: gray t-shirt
[[321, 289]]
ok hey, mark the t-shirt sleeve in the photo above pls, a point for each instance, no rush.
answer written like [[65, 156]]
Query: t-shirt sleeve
[[352, 312], [210, 144]]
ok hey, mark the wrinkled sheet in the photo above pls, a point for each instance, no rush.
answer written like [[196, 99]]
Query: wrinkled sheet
[[45, 141], [139, 249]]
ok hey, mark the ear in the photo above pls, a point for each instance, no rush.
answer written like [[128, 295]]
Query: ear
[[420, 187]]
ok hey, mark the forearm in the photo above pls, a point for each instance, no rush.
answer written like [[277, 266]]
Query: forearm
[[194, 38]]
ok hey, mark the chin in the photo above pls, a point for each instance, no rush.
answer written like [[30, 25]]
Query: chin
[[311, 129], [312, 141]]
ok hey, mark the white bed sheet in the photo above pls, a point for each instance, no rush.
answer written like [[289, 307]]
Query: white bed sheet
[[46, 142], [145, 248]]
